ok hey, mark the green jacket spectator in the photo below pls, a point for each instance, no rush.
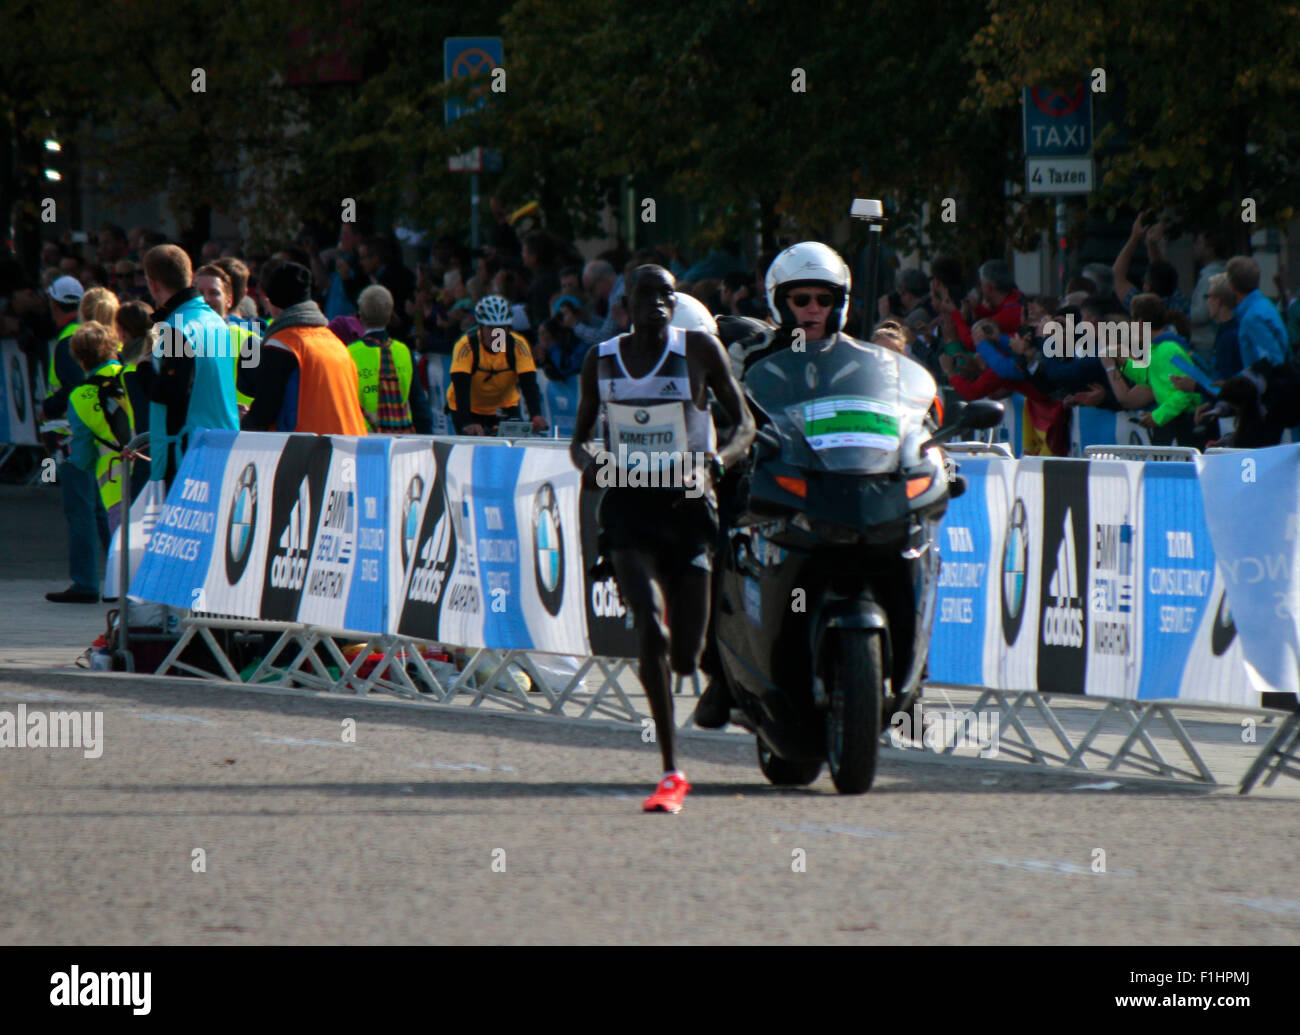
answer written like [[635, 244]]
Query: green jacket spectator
[[1159, 374]]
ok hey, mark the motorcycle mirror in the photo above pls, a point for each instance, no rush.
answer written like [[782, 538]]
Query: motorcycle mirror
[[975, 416], [980, 414]]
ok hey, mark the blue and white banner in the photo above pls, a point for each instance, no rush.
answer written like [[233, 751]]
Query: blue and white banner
[[475, 545], [438, 370], [1252, 509], [1111, 579], [559, 403], [18, 400], [1115, 578]]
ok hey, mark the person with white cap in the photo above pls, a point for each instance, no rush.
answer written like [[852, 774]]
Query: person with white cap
[[82, 507]]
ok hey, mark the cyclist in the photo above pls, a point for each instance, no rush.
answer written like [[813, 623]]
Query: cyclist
[[490, 366]]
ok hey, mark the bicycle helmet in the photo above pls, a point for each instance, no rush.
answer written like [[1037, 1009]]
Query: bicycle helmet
[[492, 311]]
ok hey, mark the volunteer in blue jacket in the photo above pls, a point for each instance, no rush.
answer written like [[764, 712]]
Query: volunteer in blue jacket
[[190, 382]]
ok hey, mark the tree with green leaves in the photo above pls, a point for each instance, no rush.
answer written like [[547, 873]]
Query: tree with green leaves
[[1209, 99]]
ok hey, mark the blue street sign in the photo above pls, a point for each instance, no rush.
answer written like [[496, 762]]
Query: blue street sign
[[468, 55], [1058, 123]]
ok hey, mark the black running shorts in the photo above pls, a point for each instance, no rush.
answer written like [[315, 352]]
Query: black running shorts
[[676, 528]]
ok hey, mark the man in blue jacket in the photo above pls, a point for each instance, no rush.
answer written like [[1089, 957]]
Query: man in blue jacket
[[1260, 331], [190, 382]]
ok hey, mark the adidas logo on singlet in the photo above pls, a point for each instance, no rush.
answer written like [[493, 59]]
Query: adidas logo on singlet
[[669, 389]]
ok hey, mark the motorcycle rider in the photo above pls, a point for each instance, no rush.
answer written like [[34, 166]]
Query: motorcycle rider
[[655, 381], [808, 288]]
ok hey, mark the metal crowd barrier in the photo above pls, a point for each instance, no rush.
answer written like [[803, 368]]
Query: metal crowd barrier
[[1184, 453], [402, 670], [594, 692]]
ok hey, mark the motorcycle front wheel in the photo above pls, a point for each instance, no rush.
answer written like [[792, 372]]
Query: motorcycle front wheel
[[855, 685]]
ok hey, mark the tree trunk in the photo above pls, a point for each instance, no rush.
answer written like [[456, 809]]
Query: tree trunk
[[198, 232], [18, 154]]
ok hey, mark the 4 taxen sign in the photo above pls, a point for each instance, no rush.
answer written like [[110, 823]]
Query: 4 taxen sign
[[1058, 175]]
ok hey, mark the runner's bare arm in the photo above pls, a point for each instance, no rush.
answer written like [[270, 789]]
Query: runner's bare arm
[[717, 368], [588, 407]]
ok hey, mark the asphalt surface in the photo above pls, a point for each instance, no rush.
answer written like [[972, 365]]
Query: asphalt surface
[[224, 816]]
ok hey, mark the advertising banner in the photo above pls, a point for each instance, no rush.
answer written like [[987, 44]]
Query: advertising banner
[[18, 404], [1107, 578]]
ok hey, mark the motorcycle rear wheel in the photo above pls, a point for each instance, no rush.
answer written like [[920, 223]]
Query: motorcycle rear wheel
[[783, 772], [855, 684]]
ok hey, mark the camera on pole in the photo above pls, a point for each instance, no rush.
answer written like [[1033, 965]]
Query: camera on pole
[[872, 212]]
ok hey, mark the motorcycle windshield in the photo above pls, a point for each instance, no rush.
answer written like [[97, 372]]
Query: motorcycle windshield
[[850, 407]]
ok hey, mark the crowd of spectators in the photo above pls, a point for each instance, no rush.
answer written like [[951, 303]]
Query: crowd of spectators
[[1227, 351], [985, 340]]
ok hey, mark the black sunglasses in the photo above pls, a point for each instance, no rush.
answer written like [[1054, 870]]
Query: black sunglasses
[[800, 300]]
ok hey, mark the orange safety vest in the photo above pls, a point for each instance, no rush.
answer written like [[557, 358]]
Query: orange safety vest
[[328, 403]]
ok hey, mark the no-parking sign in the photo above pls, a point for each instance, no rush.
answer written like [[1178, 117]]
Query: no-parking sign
[[468, 55], [1058, 123]]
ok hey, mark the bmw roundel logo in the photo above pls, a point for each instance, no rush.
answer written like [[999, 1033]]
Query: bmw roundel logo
[[642, 417], [411, 518], [241, 524], [548, 549], [1015, 558], [18, 388]]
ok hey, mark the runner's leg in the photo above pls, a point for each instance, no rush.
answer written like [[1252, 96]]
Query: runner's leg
[[643, 596], [688, 618]]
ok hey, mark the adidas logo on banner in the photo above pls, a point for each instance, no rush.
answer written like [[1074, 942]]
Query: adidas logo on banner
[[289, 568], [1063, 621], [428, 578]]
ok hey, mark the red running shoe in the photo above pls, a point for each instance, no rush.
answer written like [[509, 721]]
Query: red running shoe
[[668, 795]]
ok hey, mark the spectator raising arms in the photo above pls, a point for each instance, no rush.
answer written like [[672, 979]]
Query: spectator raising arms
[[1171, 421], [1001, 302]]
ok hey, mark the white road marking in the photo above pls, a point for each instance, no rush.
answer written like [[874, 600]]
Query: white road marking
[[1269, 905], [1042, 866]]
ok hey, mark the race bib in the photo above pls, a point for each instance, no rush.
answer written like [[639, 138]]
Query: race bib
[[655, 434], [847, 421]]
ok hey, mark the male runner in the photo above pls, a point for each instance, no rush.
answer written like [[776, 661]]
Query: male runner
[[652, 385]]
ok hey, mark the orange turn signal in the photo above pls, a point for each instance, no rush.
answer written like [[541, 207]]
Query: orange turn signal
[[916, 486], [798, 486]]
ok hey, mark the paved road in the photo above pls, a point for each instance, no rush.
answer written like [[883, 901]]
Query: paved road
[[393, 838]]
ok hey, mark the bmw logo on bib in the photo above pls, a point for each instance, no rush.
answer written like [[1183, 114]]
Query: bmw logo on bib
[[241, 524], [548, 549], [642, 417]]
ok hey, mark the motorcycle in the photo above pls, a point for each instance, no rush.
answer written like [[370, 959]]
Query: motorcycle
[[824, 594]]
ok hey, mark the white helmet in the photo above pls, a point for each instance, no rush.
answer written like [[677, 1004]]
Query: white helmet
[[492, 311], [690, 314], [804, 264]]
